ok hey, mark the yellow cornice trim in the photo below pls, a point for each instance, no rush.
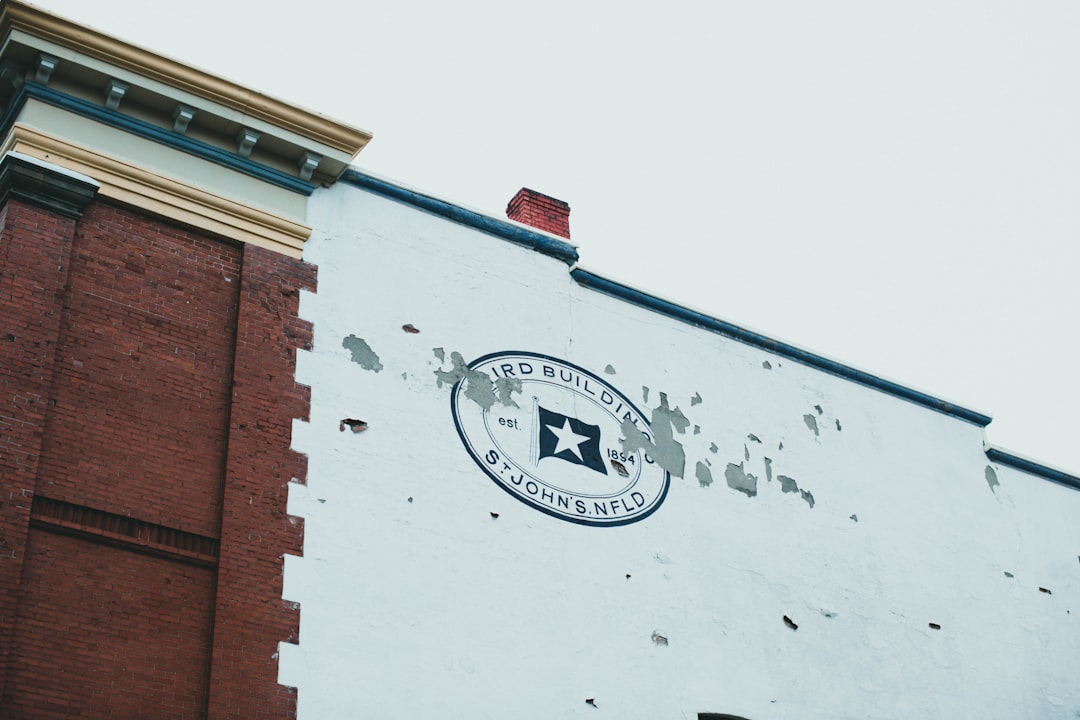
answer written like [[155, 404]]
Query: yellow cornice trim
[[163, 196], [39, 23]]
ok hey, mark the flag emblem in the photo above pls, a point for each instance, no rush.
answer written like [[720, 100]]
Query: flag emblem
[[569, 439]]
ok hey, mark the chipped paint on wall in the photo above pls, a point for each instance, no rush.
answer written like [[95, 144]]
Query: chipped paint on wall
[[991, 479], [703, 473], [739, 479], [361, 353]]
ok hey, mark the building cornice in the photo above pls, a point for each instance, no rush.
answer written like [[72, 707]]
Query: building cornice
[[166, 197], [17, 15]]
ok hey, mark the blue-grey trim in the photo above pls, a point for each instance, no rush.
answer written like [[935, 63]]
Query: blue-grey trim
[[493, 226], [721, 327], [1003, 458], [157, 134]]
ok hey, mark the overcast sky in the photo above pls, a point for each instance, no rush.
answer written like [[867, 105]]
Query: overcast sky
[[893, 185]]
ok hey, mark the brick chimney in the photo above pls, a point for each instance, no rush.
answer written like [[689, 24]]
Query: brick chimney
[[540, 211]]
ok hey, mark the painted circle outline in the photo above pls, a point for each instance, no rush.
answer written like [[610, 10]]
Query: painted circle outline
[[666, 484]]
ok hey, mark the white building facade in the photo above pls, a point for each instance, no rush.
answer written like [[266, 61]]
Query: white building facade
[[533, 492]]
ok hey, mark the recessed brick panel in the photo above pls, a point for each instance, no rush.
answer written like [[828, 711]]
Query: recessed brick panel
[[144, 364], [104, 632]]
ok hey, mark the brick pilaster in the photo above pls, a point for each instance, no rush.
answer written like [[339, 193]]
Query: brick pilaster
[[250, 618], [39, 205]]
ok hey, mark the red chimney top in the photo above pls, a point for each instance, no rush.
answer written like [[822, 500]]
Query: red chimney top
[[541, 211]]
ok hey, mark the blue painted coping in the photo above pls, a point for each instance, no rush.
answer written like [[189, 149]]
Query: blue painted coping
[[791, 352], [493, 226], [1034, 468], [147, 130]]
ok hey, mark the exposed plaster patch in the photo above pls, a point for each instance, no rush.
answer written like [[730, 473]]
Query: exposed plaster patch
[[439, 353], [713, 449], [811, 422], [753, 438], [362, 354], [609, 370], [696, 400], [645, 394], [739, 479], [410, 328], [697, 429], [991, 479], [808, 497], [478, 385], [767, 365], [619, 468], [768, 469], [704, 474]]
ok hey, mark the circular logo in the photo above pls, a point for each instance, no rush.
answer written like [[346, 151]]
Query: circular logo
[[547, 432]]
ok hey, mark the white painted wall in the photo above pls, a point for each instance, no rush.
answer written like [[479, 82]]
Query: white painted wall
[[417, 603]]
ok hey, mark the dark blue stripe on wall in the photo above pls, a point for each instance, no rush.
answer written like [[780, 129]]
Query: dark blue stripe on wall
[[160, 135], [493, 226], [1004, 458], [791, 352]]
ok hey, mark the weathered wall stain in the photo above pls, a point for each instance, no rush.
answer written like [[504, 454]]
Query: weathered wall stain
[[991, 479], [361, 353], [739, 479]]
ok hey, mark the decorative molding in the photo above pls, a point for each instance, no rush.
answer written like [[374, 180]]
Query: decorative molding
[[154, 193], [245, 142], [114, 93], [44, 184], [16, 15], [309, 161], [157, 134], [182, 117], [45, 66], [1018, 462]]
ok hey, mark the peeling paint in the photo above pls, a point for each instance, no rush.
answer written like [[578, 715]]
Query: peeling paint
[[790, 623], [439, 353], [478, 386], [739, 479], [357, 426], [745, 452], [713, 449], [753, 438], [1009, 574], [362, 354], [645, 394], [609, 370], [854, 517], [768, 469], [788, 485], [991, 479], [828, 613], [410, 328], [780, 446], [767, 365], [696, 400], [697, 429], [659, 639], [838, 428], [704, 474], [811, 422], [819, 410]]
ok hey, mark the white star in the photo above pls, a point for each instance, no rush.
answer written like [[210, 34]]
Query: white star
[[568, 439]]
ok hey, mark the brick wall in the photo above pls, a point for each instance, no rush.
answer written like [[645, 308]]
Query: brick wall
[[148, 397]]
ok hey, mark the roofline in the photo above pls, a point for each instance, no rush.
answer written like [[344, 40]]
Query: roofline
[[727, 329], [18, 15], [1061, 477], [515, 233]]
